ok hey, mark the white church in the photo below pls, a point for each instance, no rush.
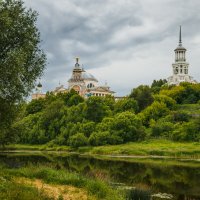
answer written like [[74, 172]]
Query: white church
[[180, 67], [87, 85], [84, 83]]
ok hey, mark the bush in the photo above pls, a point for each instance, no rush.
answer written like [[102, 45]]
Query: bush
[[155, 111], [143, 95], [126, 104], [78, 140], [87, 128], [162, 129], [180, 116], [188, 131], [185, 93], [35, 106], [128, 127], [96, 109], [170, 103], [100, 138], [75, 100]]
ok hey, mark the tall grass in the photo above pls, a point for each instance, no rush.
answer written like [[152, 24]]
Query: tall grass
[[151, 148], [136, 194], [9, 190], [156, 147], [95, 187]]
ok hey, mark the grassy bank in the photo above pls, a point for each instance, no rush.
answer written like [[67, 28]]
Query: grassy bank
[[95, 189], [9, 190], [145, 148], [149, 148], [28, 147]]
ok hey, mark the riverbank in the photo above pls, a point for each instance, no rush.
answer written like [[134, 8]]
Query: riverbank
[[145, 176], [46, 182], [151, 148]]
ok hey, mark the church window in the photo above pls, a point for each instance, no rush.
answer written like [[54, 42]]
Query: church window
[[181, 69], [90, 85], [186, 71], [176, 70]]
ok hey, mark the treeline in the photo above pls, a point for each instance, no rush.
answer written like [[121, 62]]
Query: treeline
[[148, 112]]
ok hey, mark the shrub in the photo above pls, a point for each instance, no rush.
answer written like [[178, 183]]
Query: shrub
[[155, 111], [143, 95], [170, 103], [128, 127], [78, 140], [100, 138], [126, 104], [162, 129], [180, 116]]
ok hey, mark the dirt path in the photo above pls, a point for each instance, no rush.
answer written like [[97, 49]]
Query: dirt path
[[56, 192]]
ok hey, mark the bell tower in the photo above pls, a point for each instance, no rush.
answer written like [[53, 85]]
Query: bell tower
[[77, 71], [180, 66], [76, 81]]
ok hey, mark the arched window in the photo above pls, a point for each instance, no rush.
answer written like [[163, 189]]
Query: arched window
[[186, 71], [181, 69], [176, 70]]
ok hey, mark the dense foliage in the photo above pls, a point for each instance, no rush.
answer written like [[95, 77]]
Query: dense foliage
[[68, 119], [21, 60]]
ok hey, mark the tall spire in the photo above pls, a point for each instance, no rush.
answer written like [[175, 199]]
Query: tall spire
[[77, 59], [77, 65], [180, 39]]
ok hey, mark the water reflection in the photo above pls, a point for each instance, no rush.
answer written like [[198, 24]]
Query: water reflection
[[183, 182]]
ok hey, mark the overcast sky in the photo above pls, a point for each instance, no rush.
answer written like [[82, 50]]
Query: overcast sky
[[123, 42]]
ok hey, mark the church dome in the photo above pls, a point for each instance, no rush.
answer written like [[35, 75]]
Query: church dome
[[39, 85], [180, 48], [87, 76]]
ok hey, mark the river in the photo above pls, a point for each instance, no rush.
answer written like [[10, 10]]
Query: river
[[162, 178]]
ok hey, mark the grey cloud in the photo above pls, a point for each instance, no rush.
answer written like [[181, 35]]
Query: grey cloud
[[108, 32]]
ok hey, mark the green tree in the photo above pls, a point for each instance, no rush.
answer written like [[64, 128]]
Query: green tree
[[50, 120], [163, 129], [87, 128], [109, 101], [180, 116], [185, 93], [27, 130], [78, 140], [74, 114], [105, 125], [96, 109], [157, 85], [21, 59], [75, 100], [35, 106], [7, 115], [155, 111], [126, 104], [100, 138], [142, 95], [170, 103], [127, 126], [188, 131]]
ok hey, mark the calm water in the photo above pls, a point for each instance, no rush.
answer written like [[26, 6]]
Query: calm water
[[179, 179]]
